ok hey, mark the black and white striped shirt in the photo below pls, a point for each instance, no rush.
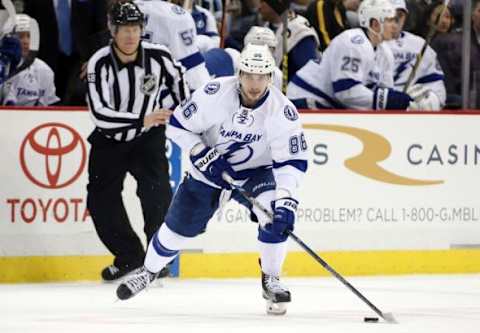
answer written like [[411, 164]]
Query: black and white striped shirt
[[120, 95]]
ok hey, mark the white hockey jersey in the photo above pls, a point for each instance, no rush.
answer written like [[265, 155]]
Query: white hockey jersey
[[207, 31], [350, 67], [299, 28], [172, 26], [269, 135], [429, 73], [32, 86]]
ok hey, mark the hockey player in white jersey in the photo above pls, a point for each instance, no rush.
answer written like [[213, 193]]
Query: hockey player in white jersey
[[224, 62], [33, 85], [205, 23], [248, 129], [356, 70], [172, 26], [429, 79]]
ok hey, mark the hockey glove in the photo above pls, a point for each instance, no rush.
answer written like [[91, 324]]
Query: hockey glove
[[390, 99], [11, 51], [423, 99], [283, 217], [211, 164]]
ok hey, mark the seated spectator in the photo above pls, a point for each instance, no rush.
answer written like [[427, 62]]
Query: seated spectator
[[33, 84], [439, 20], [449, 49]]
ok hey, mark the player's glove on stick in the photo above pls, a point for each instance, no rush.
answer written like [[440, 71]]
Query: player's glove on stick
[[423, 99], [390, 99], [211, 164], [283, 217]]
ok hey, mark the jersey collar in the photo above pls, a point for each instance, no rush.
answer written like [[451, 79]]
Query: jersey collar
[[260, 101], [137, 62]]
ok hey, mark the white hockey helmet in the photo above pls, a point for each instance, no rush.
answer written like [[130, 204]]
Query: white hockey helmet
[[260, 36], [23, 23], [375, 9], [256, 59], [399, 4]]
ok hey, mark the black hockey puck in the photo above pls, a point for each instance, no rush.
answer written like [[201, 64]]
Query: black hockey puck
[[370, 319]]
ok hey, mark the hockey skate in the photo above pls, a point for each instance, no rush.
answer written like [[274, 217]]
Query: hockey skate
[[276, 294], [135, 283]]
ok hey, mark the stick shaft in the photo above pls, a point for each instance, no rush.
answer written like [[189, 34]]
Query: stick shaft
[[304, 246]]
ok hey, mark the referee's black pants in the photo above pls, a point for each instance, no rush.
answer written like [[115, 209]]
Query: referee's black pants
[[109, 161]]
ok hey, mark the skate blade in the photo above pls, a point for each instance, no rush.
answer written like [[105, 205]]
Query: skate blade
[[276, 309]]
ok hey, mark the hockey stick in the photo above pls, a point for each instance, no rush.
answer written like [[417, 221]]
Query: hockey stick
[[285, 52], [223, 25], [387, 316], [428, 39]]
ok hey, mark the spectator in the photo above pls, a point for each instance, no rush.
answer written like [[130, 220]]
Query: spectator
[[329, 19], [34, 82], [439, 21], [124, 80], [449, 49]]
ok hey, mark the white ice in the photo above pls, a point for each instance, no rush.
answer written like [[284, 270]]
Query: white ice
[[421, 304]]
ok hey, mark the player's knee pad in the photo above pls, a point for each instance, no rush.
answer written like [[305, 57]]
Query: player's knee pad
[[268, 237], [192, 207]]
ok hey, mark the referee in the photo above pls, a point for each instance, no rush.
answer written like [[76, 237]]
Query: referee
[[127, 82]]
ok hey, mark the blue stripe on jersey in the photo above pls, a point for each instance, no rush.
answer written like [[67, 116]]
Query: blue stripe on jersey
[[430, 78], [210, 33], [160, 249], [304, 85], [344, 84], [297, 164], [301, 103], [192, 60], [175, 123]]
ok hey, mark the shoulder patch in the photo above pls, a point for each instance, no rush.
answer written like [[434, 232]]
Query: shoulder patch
[[357, 39], [178, 10], [212, 87], [290, 113], [91, 78]]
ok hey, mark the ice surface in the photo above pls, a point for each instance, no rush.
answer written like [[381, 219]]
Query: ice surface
[[421, 304]]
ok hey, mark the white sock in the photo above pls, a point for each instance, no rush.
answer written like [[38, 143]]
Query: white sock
[[272, 256], [169, 242]]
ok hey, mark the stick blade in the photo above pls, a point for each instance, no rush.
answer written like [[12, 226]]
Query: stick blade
[[389, 318]]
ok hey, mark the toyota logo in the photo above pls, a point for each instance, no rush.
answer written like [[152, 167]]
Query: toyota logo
[[52, 155]]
